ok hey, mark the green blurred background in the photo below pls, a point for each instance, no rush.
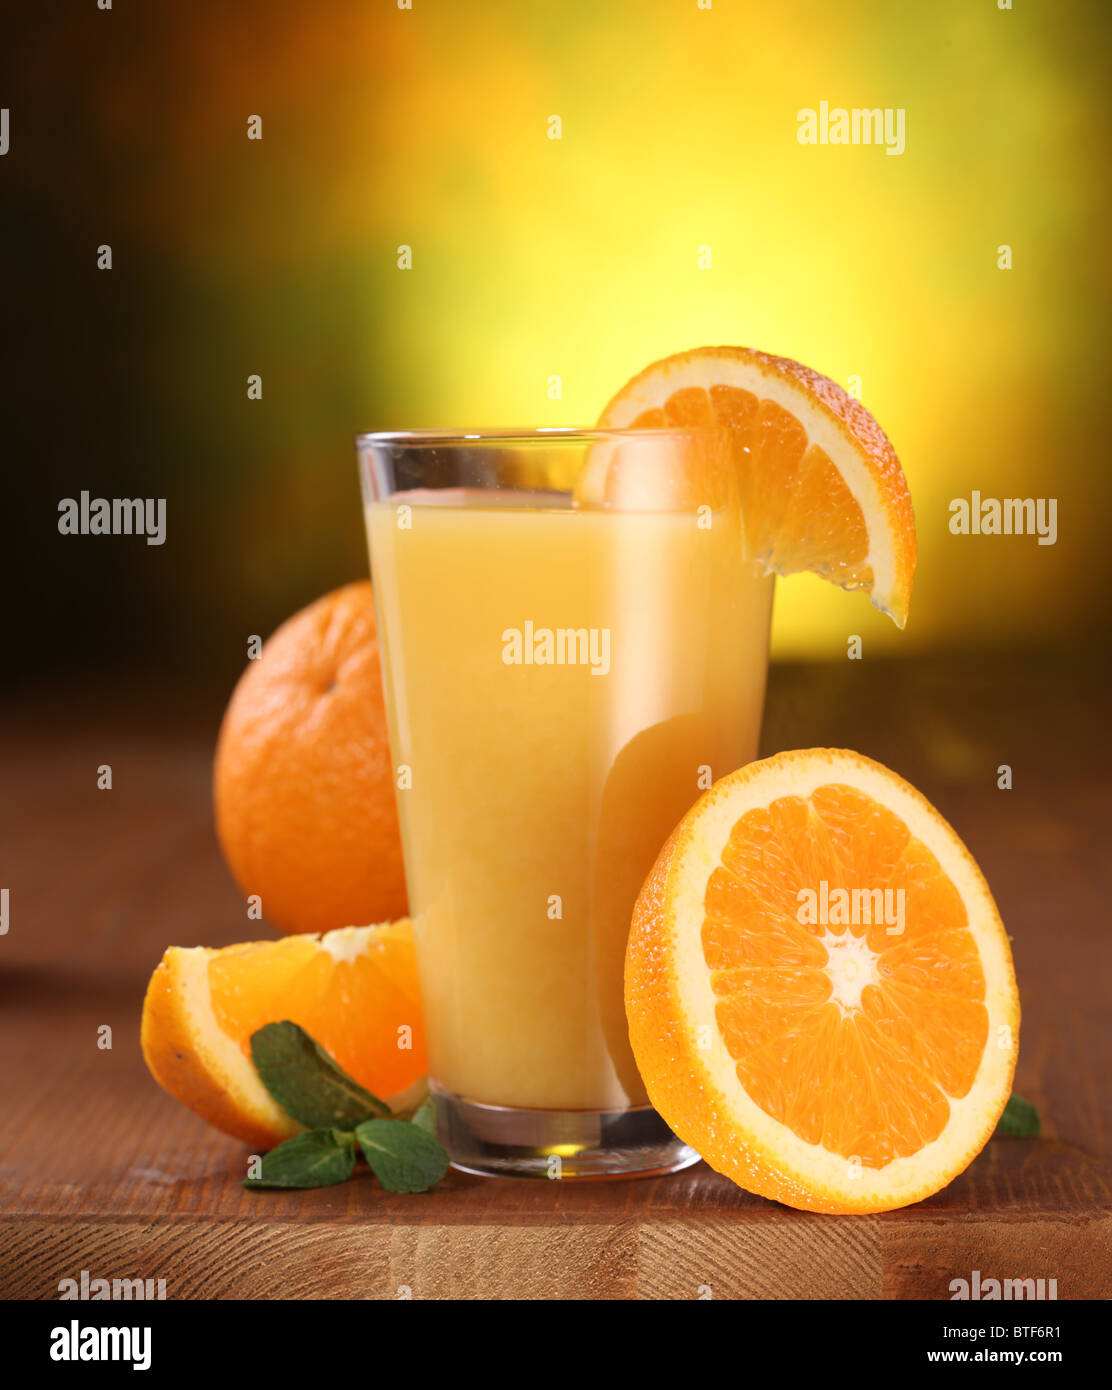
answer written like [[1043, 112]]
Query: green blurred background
[[532, 258]]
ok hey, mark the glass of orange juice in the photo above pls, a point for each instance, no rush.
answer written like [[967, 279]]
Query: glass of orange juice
[[574, 647]]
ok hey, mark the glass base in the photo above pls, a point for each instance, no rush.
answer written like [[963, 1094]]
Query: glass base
[[498, 1141]]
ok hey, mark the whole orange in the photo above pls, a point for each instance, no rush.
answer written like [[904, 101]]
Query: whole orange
[[303, 779]]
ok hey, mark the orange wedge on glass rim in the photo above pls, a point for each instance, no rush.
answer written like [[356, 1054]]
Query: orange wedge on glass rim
[[819, 988], [820, 486]]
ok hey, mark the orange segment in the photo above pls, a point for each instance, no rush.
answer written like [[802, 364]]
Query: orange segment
[[820, 486], [354, 990], [819, 988]]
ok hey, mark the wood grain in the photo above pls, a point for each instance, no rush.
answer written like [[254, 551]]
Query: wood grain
[[101, 1171]]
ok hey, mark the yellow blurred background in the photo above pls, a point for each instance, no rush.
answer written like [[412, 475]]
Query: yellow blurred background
[[585, 257]]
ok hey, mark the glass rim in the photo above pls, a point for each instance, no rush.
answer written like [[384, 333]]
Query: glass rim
[[541, 434]]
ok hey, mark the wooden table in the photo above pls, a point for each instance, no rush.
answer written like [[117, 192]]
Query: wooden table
[[103, 1172]]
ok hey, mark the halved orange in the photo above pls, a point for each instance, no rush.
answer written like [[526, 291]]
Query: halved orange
[[820, 486], [354, 990], [819, 1044]]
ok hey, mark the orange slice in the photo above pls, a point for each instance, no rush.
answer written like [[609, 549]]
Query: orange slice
[[841, 1052], [820, 486], [354, 990]]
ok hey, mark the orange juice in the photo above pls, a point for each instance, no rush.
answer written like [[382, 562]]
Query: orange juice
[[561, 686]]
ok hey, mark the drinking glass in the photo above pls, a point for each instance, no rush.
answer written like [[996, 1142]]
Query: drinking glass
[[574, 646]]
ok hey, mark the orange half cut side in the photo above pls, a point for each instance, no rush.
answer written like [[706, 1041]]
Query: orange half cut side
[[819, 988]]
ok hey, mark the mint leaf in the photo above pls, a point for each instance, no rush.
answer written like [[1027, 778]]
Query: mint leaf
[[307, 1083], [318, 1158], [1020, 1120], [403, 1156], [313, 1089], [424, 1118]]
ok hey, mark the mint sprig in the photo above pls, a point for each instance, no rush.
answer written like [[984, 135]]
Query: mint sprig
[[1020, 1120], [310, 1086], [317, 1158], [403, 1156], [313, 1089]]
